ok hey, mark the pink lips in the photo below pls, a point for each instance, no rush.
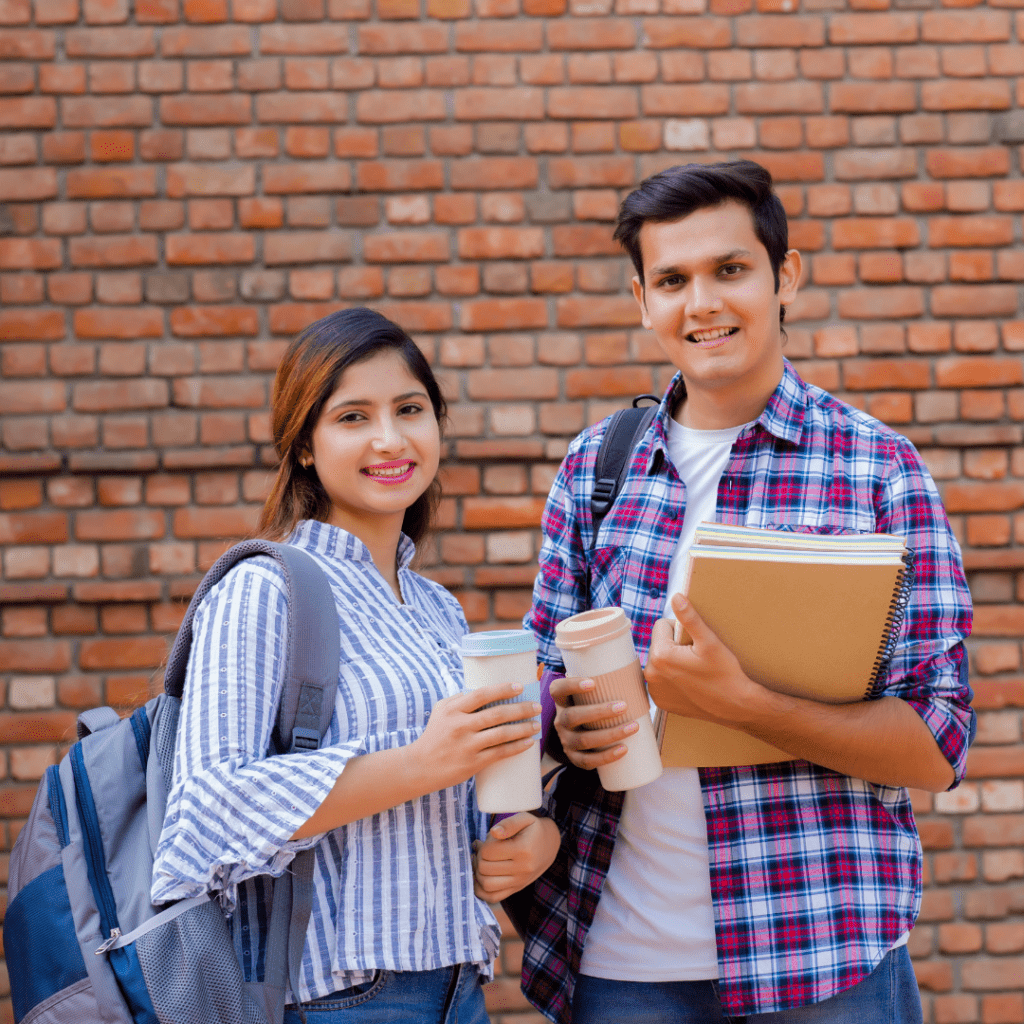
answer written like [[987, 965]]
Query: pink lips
[[391, 478]]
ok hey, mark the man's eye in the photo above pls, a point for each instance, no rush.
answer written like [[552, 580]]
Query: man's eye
[[731, 268]]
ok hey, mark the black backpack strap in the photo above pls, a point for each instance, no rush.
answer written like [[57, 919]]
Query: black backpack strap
[[622, 436]]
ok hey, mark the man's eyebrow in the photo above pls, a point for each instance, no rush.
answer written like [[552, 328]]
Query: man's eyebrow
[[716, 261]]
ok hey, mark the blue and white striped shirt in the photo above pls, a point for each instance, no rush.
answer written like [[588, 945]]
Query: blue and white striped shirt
[[393, 891]]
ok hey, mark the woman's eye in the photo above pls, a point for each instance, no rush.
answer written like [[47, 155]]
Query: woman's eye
[[411, 409], [351, 417]]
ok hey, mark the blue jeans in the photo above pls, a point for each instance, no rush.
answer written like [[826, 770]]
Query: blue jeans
[[450, 995], [888, 995]]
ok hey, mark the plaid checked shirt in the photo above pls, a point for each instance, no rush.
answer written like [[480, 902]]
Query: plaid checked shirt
[[814, 875]]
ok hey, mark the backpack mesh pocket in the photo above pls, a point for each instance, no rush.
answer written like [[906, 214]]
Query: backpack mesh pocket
[[192, 973]]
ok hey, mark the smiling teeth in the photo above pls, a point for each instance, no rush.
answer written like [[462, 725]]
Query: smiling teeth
[[717, 332], [390, 471]]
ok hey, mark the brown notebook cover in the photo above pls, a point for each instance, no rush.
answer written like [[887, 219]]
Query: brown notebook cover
[[810, 629]]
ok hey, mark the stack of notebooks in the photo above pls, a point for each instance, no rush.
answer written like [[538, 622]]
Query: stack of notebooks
[[810, 615]]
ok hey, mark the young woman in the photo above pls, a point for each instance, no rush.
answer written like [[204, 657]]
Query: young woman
[[396, 932]]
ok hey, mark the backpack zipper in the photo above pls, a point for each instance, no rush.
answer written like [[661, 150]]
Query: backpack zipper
[[142, 729], [115, 934], [95, 859], [58, 808]]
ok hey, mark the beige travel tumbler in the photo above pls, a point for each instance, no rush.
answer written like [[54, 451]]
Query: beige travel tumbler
[[506, 656], [598, 645]]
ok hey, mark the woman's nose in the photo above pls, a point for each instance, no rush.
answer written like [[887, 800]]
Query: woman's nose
[[388, 436]]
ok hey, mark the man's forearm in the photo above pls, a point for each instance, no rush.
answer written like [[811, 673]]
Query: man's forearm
[[883, 741]]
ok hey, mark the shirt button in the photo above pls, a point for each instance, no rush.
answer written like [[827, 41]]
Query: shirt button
[[655, 591]]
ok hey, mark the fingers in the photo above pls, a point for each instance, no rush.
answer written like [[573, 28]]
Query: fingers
[[494, 890], [588, 759], [505, 740], [473, 700], [662, 635], [563, 690], [509, 827], [582, 715]]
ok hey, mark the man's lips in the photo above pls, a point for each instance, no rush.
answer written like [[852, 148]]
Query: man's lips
[[710, 334]]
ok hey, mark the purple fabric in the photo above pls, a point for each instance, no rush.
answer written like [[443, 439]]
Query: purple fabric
[[547, 720], [548, 708]]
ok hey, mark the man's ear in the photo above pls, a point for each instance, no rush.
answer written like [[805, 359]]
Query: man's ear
[[638, 294], [789, 276]]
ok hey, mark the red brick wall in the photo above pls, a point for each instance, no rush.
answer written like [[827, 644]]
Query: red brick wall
[[185, 185]]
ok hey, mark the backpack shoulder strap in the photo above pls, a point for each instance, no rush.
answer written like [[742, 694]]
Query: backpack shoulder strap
[[312, 647], [313, 651], [624, 431]]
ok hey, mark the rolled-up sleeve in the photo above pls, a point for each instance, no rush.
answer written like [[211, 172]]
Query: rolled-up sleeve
[[232, 810], [929, 668]]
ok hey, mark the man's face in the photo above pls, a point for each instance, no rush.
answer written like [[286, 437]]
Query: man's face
[[709, 297]]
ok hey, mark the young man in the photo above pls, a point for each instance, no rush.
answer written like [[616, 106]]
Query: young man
[[776, 893]]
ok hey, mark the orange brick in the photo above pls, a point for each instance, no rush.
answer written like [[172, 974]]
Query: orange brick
[[990, 94], [196, 250]]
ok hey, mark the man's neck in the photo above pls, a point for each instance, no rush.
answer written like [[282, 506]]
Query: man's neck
[[709, 408]]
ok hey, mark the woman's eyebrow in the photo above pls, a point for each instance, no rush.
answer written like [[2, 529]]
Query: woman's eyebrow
[[369, 401]]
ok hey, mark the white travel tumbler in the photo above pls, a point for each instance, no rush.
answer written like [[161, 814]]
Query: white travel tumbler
[[506, 656], [598, 645]]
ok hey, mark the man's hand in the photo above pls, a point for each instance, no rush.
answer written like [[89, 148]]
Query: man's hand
[[699, 680], [516, 852], [884, 741], [588, 748]]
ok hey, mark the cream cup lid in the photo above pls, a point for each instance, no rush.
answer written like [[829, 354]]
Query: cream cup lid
[[590, 627]]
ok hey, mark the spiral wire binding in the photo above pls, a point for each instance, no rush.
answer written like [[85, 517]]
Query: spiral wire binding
[[893, 625]]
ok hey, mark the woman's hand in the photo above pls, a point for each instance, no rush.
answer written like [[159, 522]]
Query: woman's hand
[[516, 852], [588, 748], [460, 738]]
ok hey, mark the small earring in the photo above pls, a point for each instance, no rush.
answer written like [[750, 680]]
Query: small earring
[[305, 463]]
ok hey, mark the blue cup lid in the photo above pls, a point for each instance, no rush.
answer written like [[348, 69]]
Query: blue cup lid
[[494, 642]]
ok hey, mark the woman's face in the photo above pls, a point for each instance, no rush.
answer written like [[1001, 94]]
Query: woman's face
[[377, 443]]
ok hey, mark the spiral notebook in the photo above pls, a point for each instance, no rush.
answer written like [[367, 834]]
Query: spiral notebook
[[810, 615]]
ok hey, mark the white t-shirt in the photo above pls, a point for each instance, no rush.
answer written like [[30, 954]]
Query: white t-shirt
[[654, 920]]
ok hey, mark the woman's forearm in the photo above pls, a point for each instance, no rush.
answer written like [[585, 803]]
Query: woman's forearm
[[368, 785]]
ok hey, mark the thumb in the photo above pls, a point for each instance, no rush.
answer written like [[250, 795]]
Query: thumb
[[690, 622], [508, 827]]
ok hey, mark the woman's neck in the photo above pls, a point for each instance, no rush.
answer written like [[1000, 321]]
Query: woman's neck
[[381, 535]]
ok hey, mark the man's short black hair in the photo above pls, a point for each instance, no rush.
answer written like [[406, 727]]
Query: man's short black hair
[[679, 191]]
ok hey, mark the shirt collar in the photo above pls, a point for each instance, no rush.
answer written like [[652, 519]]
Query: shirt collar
[[783, 416], [339, 543]]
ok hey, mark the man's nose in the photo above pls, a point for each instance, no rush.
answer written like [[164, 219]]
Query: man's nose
[[704, 297]]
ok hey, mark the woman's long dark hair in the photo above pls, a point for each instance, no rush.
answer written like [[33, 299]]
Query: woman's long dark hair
[[308, 375]]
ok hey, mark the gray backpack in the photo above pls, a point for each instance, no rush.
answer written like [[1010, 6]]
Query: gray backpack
[[83, 942]]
